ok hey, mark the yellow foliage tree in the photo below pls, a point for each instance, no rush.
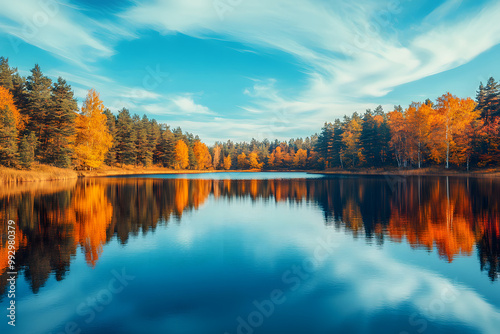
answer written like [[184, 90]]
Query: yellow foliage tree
[[418, 128], [242, 161], [227, 162], [181, 155], [202, 155], [93, 139], [300, 159], [254, 161], [217, 155], [351, 140]]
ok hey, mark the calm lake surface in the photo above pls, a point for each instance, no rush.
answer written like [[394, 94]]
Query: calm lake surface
[[254, 253]]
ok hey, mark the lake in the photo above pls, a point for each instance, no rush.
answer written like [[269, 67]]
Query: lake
[[254, 253]]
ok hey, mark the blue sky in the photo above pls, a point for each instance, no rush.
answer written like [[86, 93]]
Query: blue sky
[[237, 69]]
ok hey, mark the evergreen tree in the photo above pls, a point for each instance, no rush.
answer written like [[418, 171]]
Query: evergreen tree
[[491, 106], [110, 158], [481, 97], [8, 137], [368, 140], [6, 74], [20, 95], [325, 144], [164, 151], [384, 137], [60, 125], [141, 139], [27, 150], [338, 144], [125, 138], [153, 138], [38, 98]]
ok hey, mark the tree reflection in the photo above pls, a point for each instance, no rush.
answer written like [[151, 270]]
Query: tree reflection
[[453, 215]]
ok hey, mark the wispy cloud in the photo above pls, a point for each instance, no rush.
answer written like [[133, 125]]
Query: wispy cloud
[[348, 52], [58, 28]]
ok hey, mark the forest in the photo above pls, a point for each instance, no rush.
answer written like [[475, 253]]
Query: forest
[[40, 122]]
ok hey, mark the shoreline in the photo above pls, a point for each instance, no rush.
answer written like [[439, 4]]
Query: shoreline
[[490, 172], [41, 172]]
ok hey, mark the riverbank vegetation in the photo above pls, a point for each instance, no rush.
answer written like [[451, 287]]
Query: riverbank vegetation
[[40, 123]]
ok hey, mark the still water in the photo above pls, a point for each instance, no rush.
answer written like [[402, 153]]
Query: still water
[[254, 253]]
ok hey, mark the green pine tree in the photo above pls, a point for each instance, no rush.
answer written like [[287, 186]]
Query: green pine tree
[[8, 138], [38, 102], [60, 125], [27, 150], [6, 74], [110, 159], [125, 138]]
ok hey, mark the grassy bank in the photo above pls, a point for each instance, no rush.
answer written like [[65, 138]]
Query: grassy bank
[[41, 172], [38, 172]]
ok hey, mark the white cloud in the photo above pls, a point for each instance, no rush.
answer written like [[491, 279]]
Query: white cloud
[[186, 105], [349, 50], [55, 27]]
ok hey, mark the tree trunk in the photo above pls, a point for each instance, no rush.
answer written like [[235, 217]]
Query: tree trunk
[[447, 147]]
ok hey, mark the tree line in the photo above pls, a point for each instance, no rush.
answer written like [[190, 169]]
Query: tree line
[[40, 122], [450, 131]]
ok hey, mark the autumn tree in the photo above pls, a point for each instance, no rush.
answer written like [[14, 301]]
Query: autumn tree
[[399, 136], [418, 129], [202, 155], [243, 162], [181, 155], [465, 130], [351, 140], [253, 160], [7, 100], [227, 162], [93, 139], [217, 156], [300, 159]]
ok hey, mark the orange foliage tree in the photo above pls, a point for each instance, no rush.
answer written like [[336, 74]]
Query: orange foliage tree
[[300, 159], [227, 162], [202, 155], [6, 100], [181, 155]]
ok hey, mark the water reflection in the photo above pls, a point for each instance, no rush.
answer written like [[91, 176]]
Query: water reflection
[[55, 220]]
